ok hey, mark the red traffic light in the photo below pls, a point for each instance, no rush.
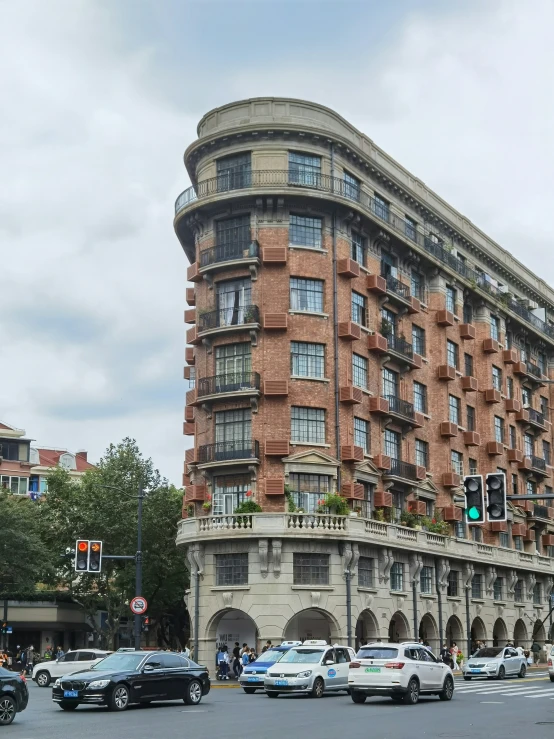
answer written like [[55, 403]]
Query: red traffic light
[[82, 546]]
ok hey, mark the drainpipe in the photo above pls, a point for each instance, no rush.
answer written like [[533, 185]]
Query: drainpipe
[[348, 576], [335, 324], [414, 602], [196, 611], [439, 604], [468, 624]]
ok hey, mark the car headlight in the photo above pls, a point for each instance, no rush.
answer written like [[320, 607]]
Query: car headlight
[[57, 683], [99, 684], [307, 673], [491, 665]]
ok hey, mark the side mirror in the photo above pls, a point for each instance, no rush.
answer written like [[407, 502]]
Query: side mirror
[[148, 668], [329, 662]]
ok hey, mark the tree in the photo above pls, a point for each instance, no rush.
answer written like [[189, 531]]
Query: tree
[[103, 505]]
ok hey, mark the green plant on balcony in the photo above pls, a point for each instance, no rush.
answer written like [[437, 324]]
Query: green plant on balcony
[[334, 504], [250, 314], [436, 525], [190, 510], [207, 505], [291, 505], [386, 328], [411, 520], [248, 506]]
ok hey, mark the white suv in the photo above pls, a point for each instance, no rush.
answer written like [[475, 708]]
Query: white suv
[[401, 671], [79, 659]]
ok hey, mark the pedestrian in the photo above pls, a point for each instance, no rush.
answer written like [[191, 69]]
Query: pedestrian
[[536, 649], [252, 656], [445, 655], [186, 651], [245, 656], [30, 659], [236, 660], [48, 653], [519, 651], [454, 652], [223, 662], [268, 644], [59, 653], [264, 649], [23, 659]]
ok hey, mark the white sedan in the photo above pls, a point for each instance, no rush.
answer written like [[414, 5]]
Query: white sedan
[[498, 662], [79, 659]]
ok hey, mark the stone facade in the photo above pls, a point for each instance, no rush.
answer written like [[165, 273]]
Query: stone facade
[[350, 332]]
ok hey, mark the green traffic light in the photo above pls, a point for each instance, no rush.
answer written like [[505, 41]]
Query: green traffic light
[[473, 513]]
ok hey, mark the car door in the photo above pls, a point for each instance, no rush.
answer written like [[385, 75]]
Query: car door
[[150, 684], [85, 659], [329, 671], [176, 676], [512, 661], [342, 667], [64, 665], [420, 667], [434, 670]]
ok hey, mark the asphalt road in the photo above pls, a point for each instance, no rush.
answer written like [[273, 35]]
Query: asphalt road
[[480, 708]]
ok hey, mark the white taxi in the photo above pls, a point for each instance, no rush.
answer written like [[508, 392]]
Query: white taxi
[[402, 672], [73, 661], [313, 668]]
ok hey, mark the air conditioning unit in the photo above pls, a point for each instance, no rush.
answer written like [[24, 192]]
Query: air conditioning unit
[[503, 289], [532, 305]]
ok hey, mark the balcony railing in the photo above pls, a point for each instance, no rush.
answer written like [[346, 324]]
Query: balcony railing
[[400, 346], [540, 511], [235, 382], [240, 316], [227, 451], [533, 369], [284, 178], [397, 287], [402, 407], [536, 416], [405, 470], [246, 249], [538, 463]]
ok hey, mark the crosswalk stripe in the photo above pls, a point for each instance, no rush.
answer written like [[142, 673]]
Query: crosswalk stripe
[[541, 694], [497, 689]]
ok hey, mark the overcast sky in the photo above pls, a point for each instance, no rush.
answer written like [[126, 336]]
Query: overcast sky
[[101, 97]]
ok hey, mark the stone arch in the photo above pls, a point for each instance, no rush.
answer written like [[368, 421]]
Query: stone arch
[[230, 625], [367, 628], [429, 632], [399, 628], [312, 623], [454, 631], [478, 631], [539, 632], [499, 633], [521, 635]]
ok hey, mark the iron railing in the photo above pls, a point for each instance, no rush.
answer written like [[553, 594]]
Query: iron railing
[[227, 451], [234, 382], [245, 314], [402, 407], [533, 369], [400, 346], [536, 416], [405, 470], [538, 463], [228, 252], [397, 288], [540, 511]]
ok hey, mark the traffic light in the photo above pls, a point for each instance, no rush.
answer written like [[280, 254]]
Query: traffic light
[[81, 555], [95, 557], [145, 623], [496, 497], [475, 502]]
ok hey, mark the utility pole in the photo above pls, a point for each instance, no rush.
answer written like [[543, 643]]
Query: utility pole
[[138, 562]]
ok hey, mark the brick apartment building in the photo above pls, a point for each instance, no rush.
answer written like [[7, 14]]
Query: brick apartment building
[[351, 332]]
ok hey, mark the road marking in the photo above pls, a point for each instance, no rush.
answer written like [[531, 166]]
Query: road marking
[[192, 710], [492, 703]]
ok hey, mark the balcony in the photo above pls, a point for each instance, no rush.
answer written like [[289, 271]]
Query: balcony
[[467, 331], [224, 453], [399, 348], [398, 292], [348, 268], [405, 471], [529, 371], [228, 320], [469, 384], [538, 465], [221, 387], [228, 256], [542, 512], [404, 411], [537, 419]]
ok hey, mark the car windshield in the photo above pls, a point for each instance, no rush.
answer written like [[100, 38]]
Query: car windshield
[[120, 661], [303, 656], [377, 653], [489, 652], [6, 673], [272, 655]]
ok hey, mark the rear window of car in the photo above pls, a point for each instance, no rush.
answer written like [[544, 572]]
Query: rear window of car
[[6, 673], [377, 653]]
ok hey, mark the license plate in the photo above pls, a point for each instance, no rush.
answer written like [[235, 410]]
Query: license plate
[[373, 669], [70, 693], [254, 680], [475, 670], [281, 682]]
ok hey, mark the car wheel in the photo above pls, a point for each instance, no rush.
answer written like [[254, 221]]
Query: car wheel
[[317, 688], [271, 693], [412, 696], [501, 672], [193, 695], [467, 678], [357, 697], [249, 690], [67, 706], [552, 678], [119, 699], [522, 671], [7, 710], [447, 689], [43, 679]]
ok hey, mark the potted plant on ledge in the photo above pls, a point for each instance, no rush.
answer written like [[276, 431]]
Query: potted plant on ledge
[[334, 504]]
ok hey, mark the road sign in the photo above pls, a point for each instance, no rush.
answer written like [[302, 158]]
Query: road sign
[[138, 605]]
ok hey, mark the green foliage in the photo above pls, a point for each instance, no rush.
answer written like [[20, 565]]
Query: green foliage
[[291, 505], [248, 506], [335, 504]]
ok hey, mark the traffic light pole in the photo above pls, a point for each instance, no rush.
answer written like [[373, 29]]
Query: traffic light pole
[[138, 572], [5, 621]]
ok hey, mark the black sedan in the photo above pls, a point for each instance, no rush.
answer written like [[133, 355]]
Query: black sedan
[[14, 695], [124, 678]]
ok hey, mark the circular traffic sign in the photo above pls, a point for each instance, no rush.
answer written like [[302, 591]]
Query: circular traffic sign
[[138, 605]]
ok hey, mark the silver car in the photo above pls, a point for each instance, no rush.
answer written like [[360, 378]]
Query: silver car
[[498, 662], [550, 666]]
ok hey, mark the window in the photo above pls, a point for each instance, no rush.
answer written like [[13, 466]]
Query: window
[[365, 572], [477, 585], [457, 462], [307, 490], [351, 186], [544, 406], [452, 354], [451, 299], [397, 576], [499, 429], [229, 492], [359, 309], [304, 169], [530, 487], [233, 362], [515, 486], [453, 580], [307, 360], [172, 661], [416, 285], [233, 434], [546, 451], [470, 411], [518, 544], [459, 530], [495, 327], [411, 228], [16, 485], [390, 383], [420, 397], [392, 444], [234, 304], [361, 434], [454, 409], [510, 387], [306, 294], [537, 594], [518, 590], [418, 339], [365, 503], [381, 207], [234, 172], [467, 312], [422, 453], [529, 444], [513, 438], [497, 378], [358, 250], [397, 499], [472, 464], [14, 451], [499, 588], [429, 508], [231, 569], [426, 580], [307, 425], [232, 237], [504, 539], [305, 231], [388, 322], [541, 362], [310, 569], [526, 397], [468, 365], [359, 371], [476, 533]]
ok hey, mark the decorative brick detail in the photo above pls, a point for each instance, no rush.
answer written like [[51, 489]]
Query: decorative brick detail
[[467, 331], [348, 268], [492, 395], [445, 318], [509, 356], [190, 296], [494, 448], [274, 254], [491, 346], [190, 357], [276, 321], [447, 428], [382, 462], [277, 448], [382, 499], [192, 336], [350, 394], [189, 414], [276, 387], [378, 405], [189, 429], [353, 490], [377, 284], [470, 384], [350, 330], [193, 274], [351, 453], [190, 456], [275, 485], [377, 343], [515, 455], [417, 506], [195, 493], [451, 480], [498, 526], [472, 438], [513, 405], [190, 315], [452, 513], [446, 372]]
